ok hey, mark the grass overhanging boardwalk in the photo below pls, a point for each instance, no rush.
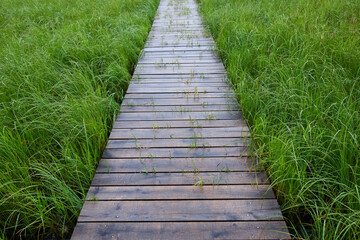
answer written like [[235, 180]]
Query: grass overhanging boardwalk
[[177, 165]]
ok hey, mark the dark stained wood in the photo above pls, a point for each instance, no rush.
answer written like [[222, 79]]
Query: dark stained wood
[[182, 100], [174, 179], [186, 48], [171, 152], [176, 133], [221, 192], [179, 83], [159, 211], [178, 163], [269, 230], [181, 60], [159, 71], [179, 124], [185, 90], [180, 66], [179, 143], [151, 116], [180, 108], [190, 77]]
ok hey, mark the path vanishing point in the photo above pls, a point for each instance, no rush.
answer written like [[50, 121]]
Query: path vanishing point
[[177, 164]]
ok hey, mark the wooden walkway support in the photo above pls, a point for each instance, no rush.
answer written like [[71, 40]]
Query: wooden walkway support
[[178, 165]]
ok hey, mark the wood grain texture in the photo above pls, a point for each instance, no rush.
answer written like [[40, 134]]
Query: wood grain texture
[[149, 177], [181, 165], [221, 192], [269, 230], [180, 133], [179, 161], [179, 124], [160, 211], [179, 143]]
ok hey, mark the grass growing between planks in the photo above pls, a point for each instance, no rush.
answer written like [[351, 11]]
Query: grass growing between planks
[[64, 67], [295, 67]]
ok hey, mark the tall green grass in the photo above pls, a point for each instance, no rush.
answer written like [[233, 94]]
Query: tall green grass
[[295, 65], [64, 67]]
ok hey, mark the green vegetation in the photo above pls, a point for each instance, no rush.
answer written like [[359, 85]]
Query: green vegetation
[[64, 67], [295, 67]]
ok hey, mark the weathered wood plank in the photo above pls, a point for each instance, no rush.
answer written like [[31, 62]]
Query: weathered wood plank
[[177, 71], [176, 83], [181, 60], [194, 91], [210, 116], [178, 143], [221, 192], [179, 65], [180, 54], [268, 230], [179, 165], [172, 152], [192, 77], [203, 98], [180, 43], [180, 133], [189, 210], [172, 49], [175, 179], [181, 82], [179, 124], [177, 108]]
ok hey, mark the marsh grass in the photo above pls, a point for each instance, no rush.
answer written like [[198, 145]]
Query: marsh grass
[[64, 67], [296, 71]]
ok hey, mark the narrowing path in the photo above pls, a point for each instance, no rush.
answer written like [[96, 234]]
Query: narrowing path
[[178, 163]]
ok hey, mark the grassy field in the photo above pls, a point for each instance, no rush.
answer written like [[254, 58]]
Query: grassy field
[[295, 66], [64, 67]]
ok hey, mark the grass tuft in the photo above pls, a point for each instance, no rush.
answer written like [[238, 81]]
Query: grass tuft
[[296, 71], [64, 68]]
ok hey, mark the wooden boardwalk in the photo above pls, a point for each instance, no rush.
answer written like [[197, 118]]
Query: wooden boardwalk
[[177, 165]]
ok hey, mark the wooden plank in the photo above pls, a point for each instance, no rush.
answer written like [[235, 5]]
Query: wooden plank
[[189, 77], [176, 179], [181, 60], [177, 44], [180, 116], [185, 90], [231, 192], [179, 124], [177, 71], [182, 82], [181, 43], [189, 210], [181, 165], [198, 108], [180, 54], [180, 133], [268, 230], [177, 99], [178, 143], [172, 49], [177, 26], [178, 65], [176, 83], [171, 152]]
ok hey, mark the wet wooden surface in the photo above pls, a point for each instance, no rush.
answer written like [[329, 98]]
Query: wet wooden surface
[[178, 164]]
